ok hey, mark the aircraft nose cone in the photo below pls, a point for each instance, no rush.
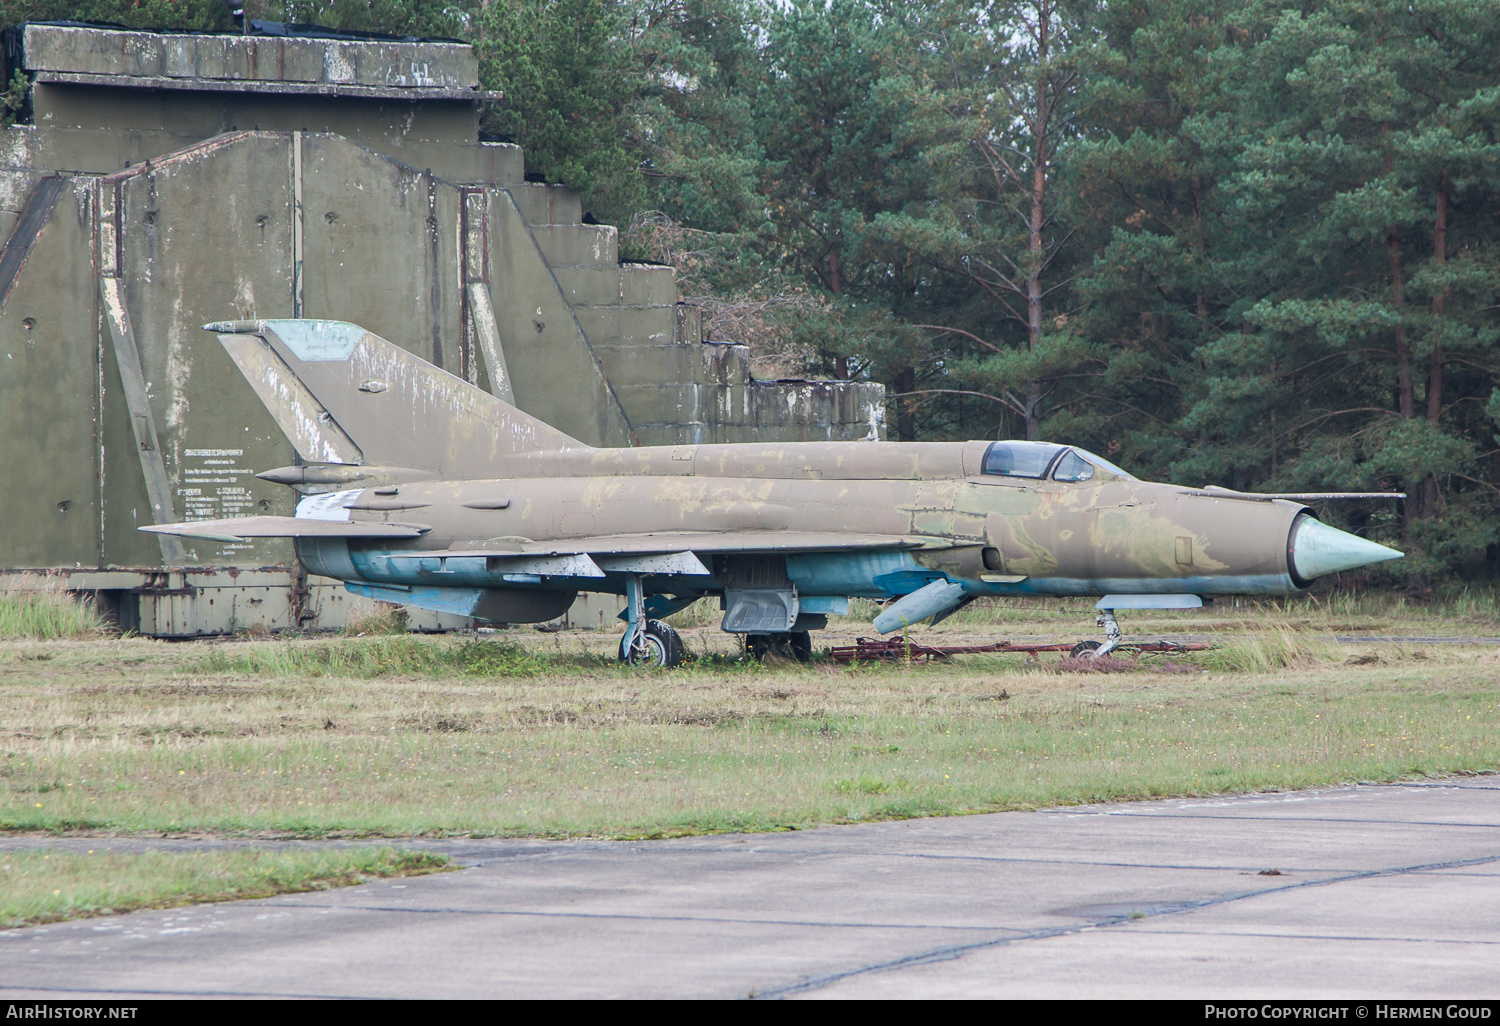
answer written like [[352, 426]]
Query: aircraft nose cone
[[1318, 549]]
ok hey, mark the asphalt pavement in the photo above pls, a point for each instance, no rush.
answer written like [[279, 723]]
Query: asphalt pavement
[[1358, 892]]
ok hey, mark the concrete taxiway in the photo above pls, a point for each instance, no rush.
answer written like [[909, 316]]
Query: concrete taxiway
[[1370, 891]]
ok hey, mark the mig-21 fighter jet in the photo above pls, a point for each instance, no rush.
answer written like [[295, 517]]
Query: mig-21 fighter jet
[[421, 489]]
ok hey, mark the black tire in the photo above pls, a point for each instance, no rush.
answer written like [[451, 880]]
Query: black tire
[[760, 645], [794, 645], [658, 645], [1084, 648]]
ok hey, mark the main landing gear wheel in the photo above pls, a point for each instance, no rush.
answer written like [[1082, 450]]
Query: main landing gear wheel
[[656, 645], [1085, 648], [789, 645]]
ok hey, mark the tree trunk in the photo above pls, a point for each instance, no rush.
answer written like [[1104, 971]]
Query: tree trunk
[[906, 408], [1405, 396], [1439, 303], [1405, 392], [836, 286], [1439, 309], [1035, 393], [1034, 226], [1035, 223], [1200, 246]]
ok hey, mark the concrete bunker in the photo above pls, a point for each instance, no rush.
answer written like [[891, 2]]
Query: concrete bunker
[[158, 181]]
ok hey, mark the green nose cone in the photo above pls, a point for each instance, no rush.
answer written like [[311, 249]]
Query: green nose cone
[[1318, 549]]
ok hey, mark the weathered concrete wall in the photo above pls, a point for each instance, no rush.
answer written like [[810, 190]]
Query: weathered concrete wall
[[197, 61], [550, 358], [49, 398]]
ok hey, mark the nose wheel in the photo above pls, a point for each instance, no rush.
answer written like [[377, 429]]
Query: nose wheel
[[1112, 637]]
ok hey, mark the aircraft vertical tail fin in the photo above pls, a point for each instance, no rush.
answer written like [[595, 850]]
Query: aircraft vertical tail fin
[[344, 395]]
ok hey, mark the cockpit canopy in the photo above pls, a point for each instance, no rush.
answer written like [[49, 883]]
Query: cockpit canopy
[[1043, 459]]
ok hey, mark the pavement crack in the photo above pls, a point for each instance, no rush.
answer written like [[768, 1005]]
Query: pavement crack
[[613, 916], [950, 952], [1333, 937], [1281, 819]]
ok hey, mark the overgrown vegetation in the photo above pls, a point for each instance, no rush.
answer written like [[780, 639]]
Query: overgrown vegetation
[[383, 657], [57, 884], [549, 735], [38, 608], [383, 618]]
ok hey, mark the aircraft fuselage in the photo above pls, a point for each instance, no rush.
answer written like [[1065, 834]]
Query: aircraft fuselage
[[997, 535]]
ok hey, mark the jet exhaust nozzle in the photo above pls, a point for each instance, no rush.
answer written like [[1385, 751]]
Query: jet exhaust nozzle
[[1317, 549], [937, 597]]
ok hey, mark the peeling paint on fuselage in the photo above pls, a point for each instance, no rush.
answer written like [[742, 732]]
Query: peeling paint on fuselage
[[1110, 535]]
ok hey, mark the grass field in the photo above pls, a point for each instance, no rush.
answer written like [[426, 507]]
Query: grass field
[[48, 886], [525, 734]]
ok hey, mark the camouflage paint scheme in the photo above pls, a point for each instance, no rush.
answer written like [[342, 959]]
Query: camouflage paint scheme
[[421, 488]]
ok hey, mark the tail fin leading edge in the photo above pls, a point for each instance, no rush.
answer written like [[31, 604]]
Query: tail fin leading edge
[[344, 395]]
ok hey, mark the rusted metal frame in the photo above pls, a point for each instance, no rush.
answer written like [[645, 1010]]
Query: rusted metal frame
[[28, 228], [873, 649], [435, 273], [110, 243], [297, 224], [186, 155]]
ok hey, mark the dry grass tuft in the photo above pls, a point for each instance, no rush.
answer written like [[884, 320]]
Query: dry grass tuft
[[1277, 649], [40, 607], [380, 618]]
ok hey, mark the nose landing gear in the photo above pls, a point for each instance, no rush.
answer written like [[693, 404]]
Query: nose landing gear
[[1104, 616], [1112, 634], [1112, 637]]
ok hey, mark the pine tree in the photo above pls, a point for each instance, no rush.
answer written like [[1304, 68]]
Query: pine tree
[[1362, 136], [994, 238], [565, 75]]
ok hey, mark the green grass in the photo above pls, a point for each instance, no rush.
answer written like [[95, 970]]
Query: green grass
[[46, 614], [49, 886], [404, 736], [378, 657]]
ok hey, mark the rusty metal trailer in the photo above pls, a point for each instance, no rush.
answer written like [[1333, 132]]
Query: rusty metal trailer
[[869, 650]]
